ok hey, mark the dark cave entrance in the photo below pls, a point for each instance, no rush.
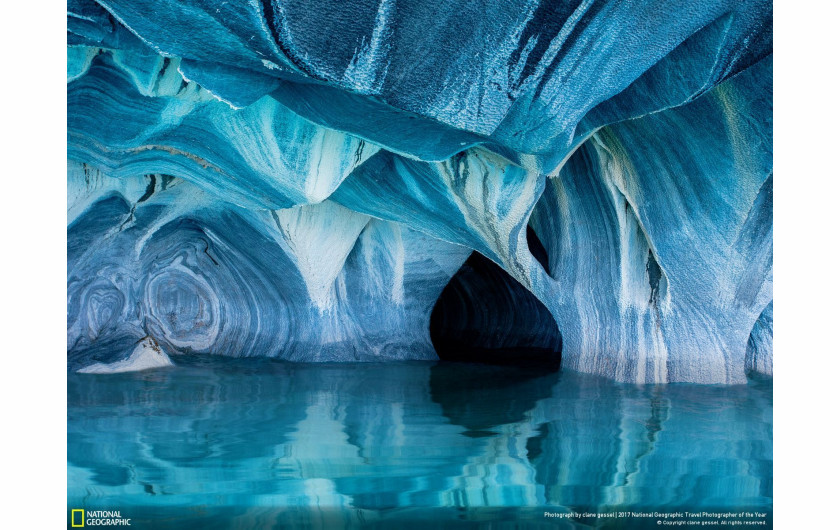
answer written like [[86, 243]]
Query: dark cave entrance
[[484, 315]]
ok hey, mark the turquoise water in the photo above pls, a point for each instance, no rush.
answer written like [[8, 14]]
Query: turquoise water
[[218, 443]]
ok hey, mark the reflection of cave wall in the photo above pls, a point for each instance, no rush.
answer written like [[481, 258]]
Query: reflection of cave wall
[[485, 396], [485, 315]]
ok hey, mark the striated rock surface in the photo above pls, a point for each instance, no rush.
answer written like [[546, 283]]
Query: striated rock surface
[[302, 179], [156, 255], [760, 345], [145, 356], [508, 74]]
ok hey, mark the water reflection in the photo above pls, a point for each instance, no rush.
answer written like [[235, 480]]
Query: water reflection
[[480, 397], [260, 443]]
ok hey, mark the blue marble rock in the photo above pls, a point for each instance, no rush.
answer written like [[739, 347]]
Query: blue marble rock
[[262, 156], [158, 256], [760, 345], [508, 74], [301, 179]]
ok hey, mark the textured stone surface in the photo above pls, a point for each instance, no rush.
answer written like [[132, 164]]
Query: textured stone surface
[[156, 255], [301, 179]]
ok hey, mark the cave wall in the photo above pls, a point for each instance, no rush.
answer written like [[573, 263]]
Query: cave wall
[[238, 185], [158, 256]]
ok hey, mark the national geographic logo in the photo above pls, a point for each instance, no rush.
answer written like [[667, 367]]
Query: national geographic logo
[[79, 518]]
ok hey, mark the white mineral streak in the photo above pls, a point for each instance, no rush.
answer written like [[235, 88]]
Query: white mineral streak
[[146, 356], [320, 238], [369, 66]]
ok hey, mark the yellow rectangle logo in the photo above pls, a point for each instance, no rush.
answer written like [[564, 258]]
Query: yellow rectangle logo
[[73, 518]]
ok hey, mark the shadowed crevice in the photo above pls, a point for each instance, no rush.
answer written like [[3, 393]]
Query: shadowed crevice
[[484, 315], [537, 250]]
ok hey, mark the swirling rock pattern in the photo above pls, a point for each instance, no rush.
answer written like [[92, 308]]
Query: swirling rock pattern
[[301, 179], [158, 256], [146, 356]]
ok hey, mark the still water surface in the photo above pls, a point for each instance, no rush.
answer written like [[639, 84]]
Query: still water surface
[[220, 443]]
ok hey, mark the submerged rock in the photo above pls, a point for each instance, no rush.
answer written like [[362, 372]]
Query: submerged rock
[[145, 356]]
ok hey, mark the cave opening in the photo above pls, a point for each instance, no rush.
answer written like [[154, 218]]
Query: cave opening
[[484, 315]]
